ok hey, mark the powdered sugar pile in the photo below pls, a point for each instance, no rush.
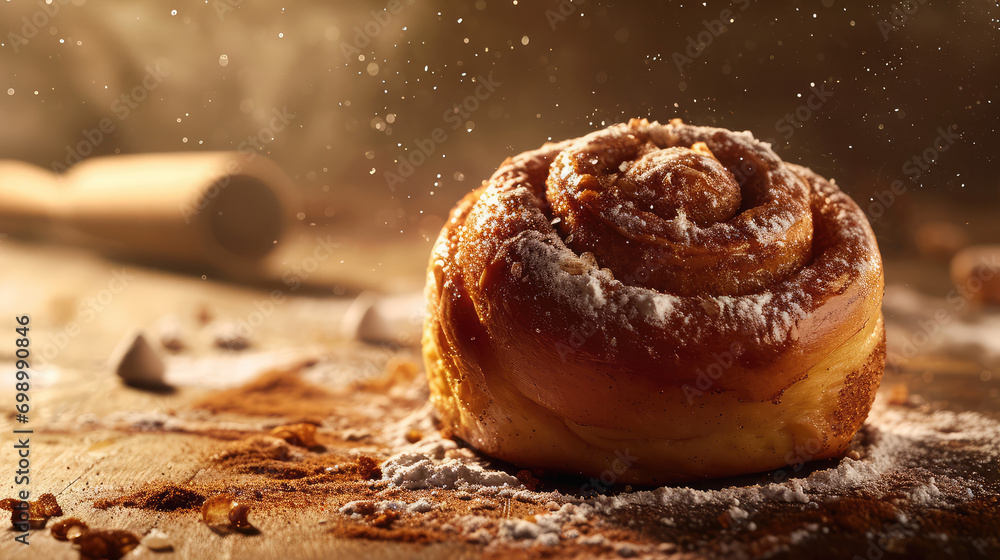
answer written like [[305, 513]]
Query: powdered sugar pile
[[901, 452], [359, 507], [425, 466]]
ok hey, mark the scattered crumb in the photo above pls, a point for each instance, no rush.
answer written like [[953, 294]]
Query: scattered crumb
[[65, 529], [227, 336], [302, 435], [38, 511], [156, 540]]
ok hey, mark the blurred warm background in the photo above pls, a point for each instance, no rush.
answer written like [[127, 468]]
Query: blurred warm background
[[364, 90]]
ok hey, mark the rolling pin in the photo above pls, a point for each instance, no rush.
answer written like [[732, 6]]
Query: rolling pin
[[224, 210]]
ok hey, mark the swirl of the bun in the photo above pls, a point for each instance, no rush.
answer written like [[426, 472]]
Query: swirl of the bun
[[672, 297]]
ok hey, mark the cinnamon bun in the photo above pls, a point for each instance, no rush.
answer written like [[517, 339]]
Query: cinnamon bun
[[674, 294]]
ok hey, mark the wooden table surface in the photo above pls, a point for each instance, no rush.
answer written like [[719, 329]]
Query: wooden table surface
[[80, 462]]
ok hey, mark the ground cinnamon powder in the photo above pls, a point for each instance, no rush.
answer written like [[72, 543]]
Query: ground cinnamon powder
[[275, 393], [157, 497], [273, 472]]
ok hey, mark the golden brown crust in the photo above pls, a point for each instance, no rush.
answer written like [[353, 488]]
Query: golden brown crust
[[855, 398], [567, 321]]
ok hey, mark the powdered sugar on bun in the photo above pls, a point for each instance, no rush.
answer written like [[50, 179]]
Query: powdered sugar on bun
[[632, 258]]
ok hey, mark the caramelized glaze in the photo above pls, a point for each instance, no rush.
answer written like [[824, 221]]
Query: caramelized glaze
[[622, 266]]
